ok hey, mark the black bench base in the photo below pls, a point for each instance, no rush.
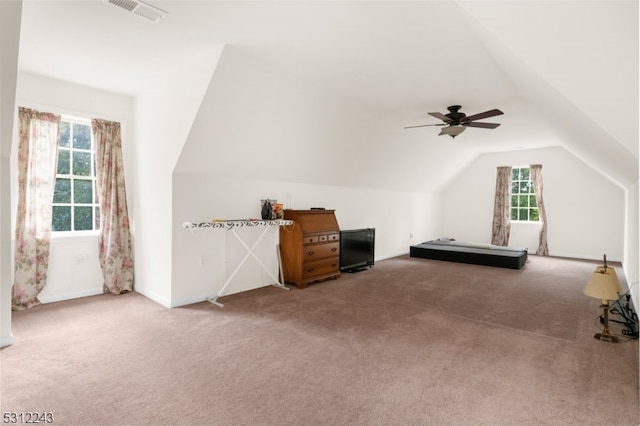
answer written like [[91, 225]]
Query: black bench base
[[503, 257]]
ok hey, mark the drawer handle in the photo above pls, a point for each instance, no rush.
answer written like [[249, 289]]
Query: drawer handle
[[310, 253], [310, 270], [334, 249], [333, 265]]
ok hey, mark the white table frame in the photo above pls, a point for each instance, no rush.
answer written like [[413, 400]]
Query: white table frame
[[232, 226]]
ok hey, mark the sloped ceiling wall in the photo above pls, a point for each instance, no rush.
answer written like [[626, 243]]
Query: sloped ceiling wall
[[257, 121], [564, 72], [587, 51], [575, 84], [581, 74]]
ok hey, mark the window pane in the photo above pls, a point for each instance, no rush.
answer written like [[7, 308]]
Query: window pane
[[523, 201], [81, 136], [61, 218], [62, 193], [82, 191], [64, 165], [75, 197], [82, 218], [534, 215], [64, 134], [81, 163]]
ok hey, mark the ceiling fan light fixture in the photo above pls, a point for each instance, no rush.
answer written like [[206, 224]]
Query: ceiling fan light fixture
[[452, 131]]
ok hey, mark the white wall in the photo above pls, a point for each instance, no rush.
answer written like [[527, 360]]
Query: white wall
[[74, 269], [151, 153], [400, 219], [262, 133], [163, 119], [585, 211], [10, 14], [249, 143], [149, 156]]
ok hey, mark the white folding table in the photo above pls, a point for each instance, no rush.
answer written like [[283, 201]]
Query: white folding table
[[232, 226]]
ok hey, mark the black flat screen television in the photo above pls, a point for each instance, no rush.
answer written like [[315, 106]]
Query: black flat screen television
[[357, 249]]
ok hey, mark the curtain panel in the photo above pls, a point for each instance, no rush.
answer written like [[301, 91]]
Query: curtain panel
[[502, 208], [115, 252], [38, 134], [536, 178]]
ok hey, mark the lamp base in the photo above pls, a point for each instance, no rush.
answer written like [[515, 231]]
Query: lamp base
[[606, 337]]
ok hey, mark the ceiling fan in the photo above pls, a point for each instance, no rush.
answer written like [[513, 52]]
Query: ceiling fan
[[457, 122]]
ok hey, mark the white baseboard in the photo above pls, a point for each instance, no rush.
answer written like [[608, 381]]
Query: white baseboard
[[153, 296], [68, 296], [582, 256], [6, 341], [389, 256], [190, 300], [205, 297]]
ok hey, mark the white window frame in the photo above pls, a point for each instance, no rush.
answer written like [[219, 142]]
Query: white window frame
[[529, 195], [92, 177]]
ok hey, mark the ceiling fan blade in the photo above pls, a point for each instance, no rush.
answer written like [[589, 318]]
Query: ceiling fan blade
[[486, 114], [440, 116], [425, 125], [482, 125]]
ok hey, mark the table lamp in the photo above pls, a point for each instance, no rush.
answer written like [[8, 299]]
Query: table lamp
[[604, 285]]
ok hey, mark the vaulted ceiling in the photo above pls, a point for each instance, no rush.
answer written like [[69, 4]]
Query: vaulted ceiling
[[564, 72]]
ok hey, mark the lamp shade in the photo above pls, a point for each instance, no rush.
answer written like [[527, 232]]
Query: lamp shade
[[603, 284]]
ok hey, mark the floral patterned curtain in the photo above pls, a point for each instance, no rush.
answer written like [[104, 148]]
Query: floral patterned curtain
[[37, 162], [536, 178], [502, 208], [115, 237]]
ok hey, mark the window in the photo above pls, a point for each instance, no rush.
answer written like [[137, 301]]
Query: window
[[523, 198], [75, 199]]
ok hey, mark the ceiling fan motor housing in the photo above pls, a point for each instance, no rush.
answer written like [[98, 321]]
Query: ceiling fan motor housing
[[455, 116]]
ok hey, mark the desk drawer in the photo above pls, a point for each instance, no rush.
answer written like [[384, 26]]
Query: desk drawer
[[320, 267], [310, 239], [320, 251]]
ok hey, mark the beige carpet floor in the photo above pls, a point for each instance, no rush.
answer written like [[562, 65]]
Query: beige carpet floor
[[407, 342]]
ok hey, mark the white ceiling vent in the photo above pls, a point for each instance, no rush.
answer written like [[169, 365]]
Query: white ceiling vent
[[140, 8]]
